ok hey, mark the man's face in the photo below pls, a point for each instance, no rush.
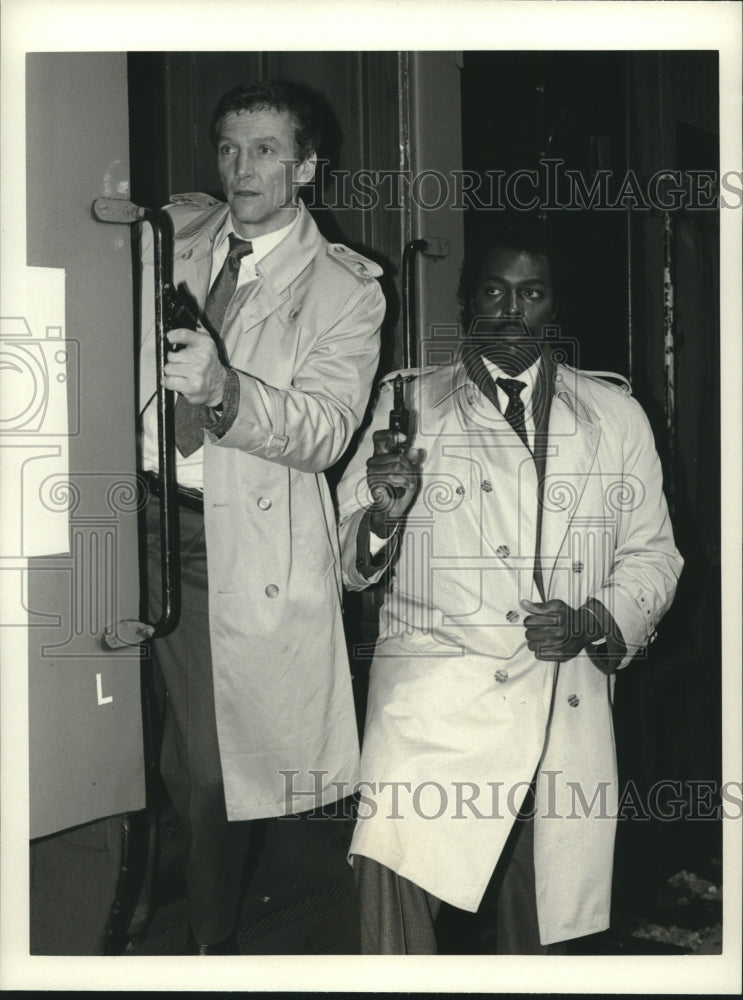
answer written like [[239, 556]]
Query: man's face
[[514, 288], [259, 170]]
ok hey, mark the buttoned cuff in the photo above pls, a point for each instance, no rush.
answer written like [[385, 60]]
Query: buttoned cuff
[[217, 420]]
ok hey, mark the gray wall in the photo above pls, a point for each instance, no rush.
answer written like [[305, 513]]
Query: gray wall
[[86, 757]]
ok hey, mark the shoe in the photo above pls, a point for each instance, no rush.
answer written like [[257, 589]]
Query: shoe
[[227, 946]]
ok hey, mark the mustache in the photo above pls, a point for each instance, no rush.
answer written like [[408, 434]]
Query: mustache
[[486, 327]]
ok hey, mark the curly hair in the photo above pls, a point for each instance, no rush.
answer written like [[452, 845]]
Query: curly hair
[[278, 95]]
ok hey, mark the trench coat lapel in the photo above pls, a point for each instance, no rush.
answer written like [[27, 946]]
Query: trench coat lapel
[[574, 434], [275, 273]]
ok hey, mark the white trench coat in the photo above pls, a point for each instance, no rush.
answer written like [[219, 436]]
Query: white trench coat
[[460, 715]]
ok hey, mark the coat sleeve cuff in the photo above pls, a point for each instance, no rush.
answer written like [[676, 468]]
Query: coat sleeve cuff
[[217, 420], [609, 652]]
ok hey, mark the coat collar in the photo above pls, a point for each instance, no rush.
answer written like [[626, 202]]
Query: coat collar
[[278, 268], [453, 381]]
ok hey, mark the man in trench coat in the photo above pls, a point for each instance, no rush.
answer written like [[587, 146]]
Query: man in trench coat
[[259, 715], [531, 556]]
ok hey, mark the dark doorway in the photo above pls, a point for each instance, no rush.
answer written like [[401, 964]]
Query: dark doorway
[[579, 137], [536, 119]]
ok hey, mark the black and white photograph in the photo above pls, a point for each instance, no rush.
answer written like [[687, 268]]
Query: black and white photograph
[[371, 496]]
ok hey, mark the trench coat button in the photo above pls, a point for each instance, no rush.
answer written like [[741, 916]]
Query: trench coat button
[[487, 486], [512, 616], [503, 552], [264, 503], [460, 491], [577, 567], [187, 255], [501, 676], [272, 590], [361, 268], [293, 313], [574, 700]]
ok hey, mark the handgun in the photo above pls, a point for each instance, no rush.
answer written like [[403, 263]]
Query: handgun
[[399, 425], [177, 312], [399, 415]]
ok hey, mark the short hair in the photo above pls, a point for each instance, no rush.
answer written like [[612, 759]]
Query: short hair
[[526, 234], [278, 95]]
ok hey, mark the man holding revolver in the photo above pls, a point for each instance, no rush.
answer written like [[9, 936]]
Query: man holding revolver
[[271, 386], [532, 556]]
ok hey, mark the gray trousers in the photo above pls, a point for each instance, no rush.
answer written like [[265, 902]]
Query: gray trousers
[[398, 917], [189, 761]]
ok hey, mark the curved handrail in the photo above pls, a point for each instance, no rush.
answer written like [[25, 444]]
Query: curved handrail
[[130, 631]]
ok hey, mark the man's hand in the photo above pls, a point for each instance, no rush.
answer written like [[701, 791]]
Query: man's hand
[[195, 371], [393, 479], [555, 631]]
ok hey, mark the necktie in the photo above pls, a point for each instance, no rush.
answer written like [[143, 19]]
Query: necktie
[[515, 410], [189, 434]]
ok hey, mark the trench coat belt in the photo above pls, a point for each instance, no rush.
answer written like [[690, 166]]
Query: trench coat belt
[[191, 499]]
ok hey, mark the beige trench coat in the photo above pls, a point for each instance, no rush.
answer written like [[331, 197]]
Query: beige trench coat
[[460, 715], [304, 339]]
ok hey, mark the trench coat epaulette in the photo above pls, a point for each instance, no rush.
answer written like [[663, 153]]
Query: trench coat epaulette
[[624, 388], [361, 266], [185, 207], [196, 198]]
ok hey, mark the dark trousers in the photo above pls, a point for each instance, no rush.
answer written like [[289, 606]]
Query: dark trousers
[[398, 917], [189, 760]]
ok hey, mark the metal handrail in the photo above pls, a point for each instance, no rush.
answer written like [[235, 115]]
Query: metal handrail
[[130, 631]]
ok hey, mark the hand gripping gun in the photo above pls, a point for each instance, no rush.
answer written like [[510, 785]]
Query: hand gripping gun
[[399, 426]]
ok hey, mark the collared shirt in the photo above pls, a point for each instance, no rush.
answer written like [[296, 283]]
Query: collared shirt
[[190, 471], [262, 245], [529, 376]]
